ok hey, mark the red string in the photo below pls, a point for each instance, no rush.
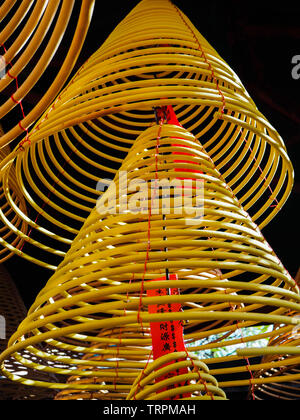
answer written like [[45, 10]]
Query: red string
[[161, 116], [120, 341], [245, 358], [148, 250], [295, 283], [18, 102], [172, 119], [222, 95], [239, 328], [15, 101], [149, 227], [127, 296], [117, 357], [262, 176], [142, 375], [145, 270], [45, 203], [248, 365], [255, 225], [203, 381], [203, 55]]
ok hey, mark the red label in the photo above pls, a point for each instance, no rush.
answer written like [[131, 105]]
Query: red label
[[167, 336]]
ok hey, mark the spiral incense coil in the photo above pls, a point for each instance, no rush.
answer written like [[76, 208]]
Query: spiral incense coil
[[27, 26], [289, 390], [120, 254], [118, 346], [12, 308], [8, 220], [154, 57], [198, 382], [119, 356], [12, 312]]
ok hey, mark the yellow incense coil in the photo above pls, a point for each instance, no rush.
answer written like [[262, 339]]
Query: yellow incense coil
[[12, 312], [119, 356], [154, 57], [12, 308], [283, 389], [197, 382], [228, 275], [27, 25], [9, 240], [129, 345]]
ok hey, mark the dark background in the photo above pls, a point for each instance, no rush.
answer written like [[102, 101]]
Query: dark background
[[258, 40]]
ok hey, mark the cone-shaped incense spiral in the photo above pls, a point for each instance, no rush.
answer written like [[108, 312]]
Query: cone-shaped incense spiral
[[154, 57], [280, 369], [13, 311], [31, 34], [168, 221]]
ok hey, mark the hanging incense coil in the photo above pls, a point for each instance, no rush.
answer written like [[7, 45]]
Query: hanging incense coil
[[281, 390], [117, 257], [8, 220], [12, 307], [119, 356], [197, 383], [13, 311], [129, 345], [27, 26], [154, 57]]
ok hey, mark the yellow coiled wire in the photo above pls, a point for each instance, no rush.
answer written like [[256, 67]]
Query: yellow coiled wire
[[118, 355], [154, 57], [229, 276], [200, 384], [36, 18], [286, 388], [124, 353], [9, 241], [13, 311]]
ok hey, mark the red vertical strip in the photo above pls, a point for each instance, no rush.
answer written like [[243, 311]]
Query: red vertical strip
[[167, 336]]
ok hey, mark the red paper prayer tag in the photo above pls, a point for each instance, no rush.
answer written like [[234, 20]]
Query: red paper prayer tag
[[167, 336]]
